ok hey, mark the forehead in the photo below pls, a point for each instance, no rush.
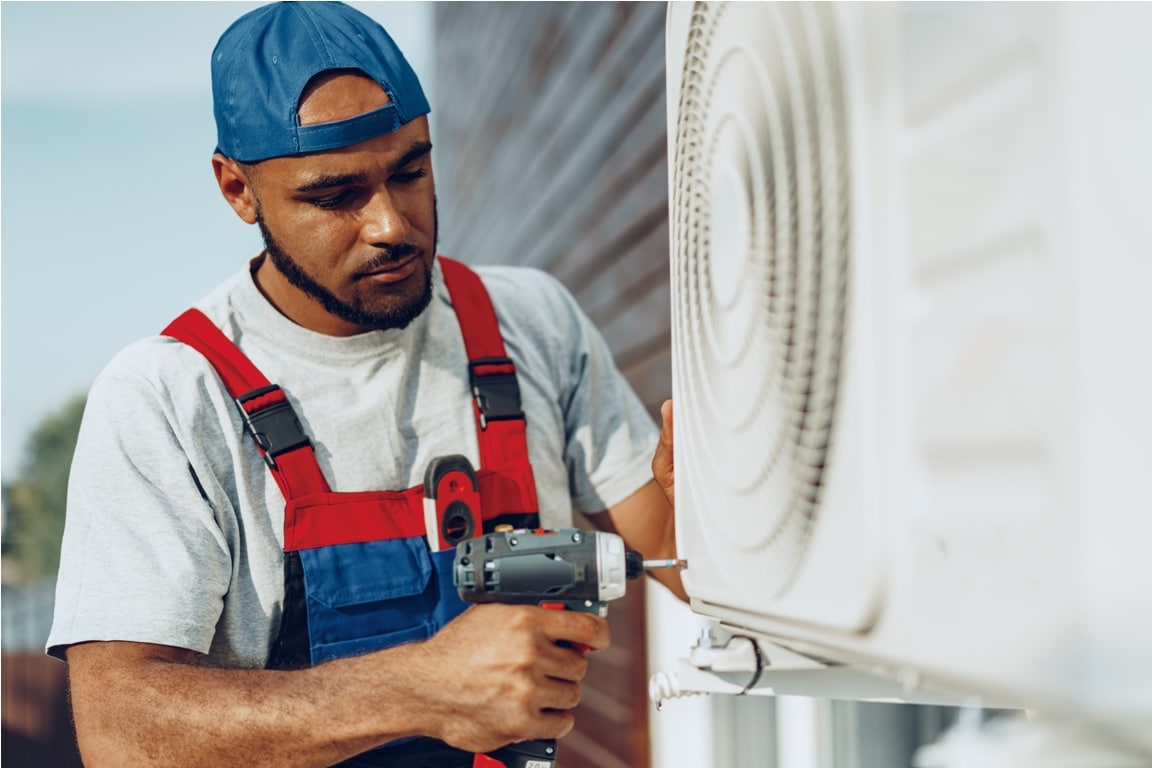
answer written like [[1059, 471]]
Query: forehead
[[339, 95], [379, 156]]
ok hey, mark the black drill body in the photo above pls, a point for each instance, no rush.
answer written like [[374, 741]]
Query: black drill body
[[570, 568]]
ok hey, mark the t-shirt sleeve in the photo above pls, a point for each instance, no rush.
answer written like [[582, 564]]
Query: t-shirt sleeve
[[609, 435], [143, 558]]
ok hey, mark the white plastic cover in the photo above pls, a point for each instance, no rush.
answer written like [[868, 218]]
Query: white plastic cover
[[911, 260]]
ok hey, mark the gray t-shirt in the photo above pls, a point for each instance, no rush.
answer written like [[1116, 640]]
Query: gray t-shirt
[[174, 531]]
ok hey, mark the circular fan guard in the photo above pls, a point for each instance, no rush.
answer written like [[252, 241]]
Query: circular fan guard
[[760, 239]]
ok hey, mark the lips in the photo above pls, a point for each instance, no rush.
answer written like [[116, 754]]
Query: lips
[[392, 271]]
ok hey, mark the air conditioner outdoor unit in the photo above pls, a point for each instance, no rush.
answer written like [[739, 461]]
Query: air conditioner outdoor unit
[[912, 343]]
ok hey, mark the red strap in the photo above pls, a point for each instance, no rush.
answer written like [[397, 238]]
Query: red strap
[[327, 519], [237, 371], [504, 443], [507, 484], [474, 311], [296, 470]]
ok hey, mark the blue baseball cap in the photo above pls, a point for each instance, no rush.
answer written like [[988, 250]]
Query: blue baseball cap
[[262, 63]]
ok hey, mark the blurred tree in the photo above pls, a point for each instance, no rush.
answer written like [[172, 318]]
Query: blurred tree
[[35, 501]]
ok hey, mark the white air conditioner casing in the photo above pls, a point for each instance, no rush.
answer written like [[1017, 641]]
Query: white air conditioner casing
[[912, 339]]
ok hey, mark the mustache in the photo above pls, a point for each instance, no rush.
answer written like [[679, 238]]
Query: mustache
[[388, 255]]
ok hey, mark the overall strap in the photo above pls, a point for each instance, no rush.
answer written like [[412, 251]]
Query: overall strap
[[500, 422], [270, 419], [267, 414]]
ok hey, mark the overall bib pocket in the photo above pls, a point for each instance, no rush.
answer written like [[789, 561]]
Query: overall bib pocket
[[366, 596]]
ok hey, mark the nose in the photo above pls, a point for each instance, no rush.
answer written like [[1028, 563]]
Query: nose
[[383, 223]]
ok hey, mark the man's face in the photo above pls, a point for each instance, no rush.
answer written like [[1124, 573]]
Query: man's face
[[351, 232]]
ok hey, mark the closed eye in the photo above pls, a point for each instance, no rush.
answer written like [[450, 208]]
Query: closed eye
[[338, 200], [409, 176]]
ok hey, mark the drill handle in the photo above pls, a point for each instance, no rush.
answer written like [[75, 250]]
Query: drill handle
[[554, 606]]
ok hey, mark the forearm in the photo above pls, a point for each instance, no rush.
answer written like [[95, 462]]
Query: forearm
[[646, 522], [664, 509], [150, 705], [175, 712], [666, 548]]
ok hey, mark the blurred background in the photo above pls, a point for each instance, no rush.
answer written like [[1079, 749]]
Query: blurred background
[[549, 122], [111, 225]]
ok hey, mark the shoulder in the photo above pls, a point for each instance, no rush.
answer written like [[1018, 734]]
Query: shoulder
[[503, 277], [159, 358], [155, 358], [524, 283], [529, 295], [155, 372], [171, 365]]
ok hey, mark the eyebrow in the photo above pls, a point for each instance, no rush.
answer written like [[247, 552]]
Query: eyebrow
[[328, 181], [417, 150]]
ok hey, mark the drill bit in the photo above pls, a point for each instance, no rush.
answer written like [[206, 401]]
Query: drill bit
[[654, 564], [637, 565]]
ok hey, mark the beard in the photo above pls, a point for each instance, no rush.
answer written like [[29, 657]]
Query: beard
[[397, 316]]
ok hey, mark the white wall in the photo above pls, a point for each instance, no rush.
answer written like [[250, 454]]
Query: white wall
[[682, 732]]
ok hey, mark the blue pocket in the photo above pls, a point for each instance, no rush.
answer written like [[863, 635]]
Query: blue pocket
[[367, 596]]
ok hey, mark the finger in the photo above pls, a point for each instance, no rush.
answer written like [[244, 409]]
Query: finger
[[560, 662], [577, 628], [666, 426], [554, 724], [663, 468], [557, 695]]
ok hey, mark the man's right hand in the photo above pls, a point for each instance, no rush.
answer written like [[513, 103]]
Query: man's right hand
[[505, 674]]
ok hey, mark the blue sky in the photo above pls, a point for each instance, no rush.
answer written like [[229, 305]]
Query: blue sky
[[110, 220]]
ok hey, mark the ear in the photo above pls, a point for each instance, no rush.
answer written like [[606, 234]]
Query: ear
[[236, 187]]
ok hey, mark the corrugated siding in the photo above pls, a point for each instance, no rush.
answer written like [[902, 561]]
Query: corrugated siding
[[549, 125], [550, 139]]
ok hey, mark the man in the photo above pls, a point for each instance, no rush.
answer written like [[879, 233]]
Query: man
[[205, 618]]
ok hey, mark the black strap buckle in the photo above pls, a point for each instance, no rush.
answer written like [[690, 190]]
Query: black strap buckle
[[275, 427], [497, 394]]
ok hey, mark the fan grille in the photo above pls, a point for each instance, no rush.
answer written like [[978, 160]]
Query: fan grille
[[760, 241]]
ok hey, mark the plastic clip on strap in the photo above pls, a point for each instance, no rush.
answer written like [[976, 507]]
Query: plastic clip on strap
[[495, 388], [266, 412], [500, 424], [270, 420]]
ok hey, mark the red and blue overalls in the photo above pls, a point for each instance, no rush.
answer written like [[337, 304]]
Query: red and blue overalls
[[358, 572]]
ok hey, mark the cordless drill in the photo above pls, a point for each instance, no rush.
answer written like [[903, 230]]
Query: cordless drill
[[566, 569]]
